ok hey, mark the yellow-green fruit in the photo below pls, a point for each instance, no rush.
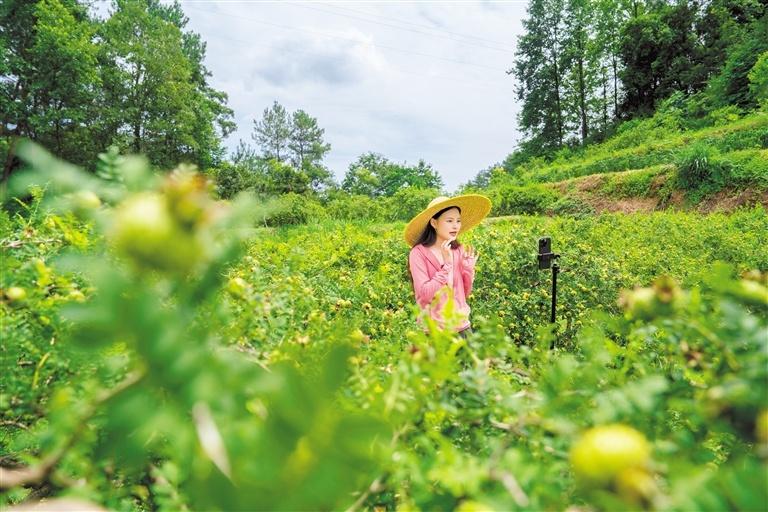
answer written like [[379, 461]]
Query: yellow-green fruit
[[640, 302], [16, 294], [76, 295], [145, 232], [761, 427], [359, 336], [666, 289], [603, 452], [752, 291], [86, 200], [237, 286], [635, 484], [473, 506]]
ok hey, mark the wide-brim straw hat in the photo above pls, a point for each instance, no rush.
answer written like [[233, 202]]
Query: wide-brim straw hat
[[474, 208]]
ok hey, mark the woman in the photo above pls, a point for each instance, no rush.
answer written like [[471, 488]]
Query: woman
[[440, 266]]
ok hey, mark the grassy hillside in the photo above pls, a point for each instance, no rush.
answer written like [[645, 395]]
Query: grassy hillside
[[641, 169]]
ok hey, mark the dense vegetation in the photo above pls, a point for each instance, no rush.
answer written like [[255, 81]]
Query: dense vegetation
[[167, 381], [237, 332], [584, 66]]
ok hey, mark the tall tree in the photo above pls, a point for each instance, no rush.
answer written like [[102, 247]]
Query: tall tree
[[538, 69], [607, 23], [364, 175], [156, 101], [48, 71], [273, 132], [213, 118], [730, 86], [295, 141], [660, 54], [578, 60], [723, 24], [77, 85], [308, 149], [306, 141]]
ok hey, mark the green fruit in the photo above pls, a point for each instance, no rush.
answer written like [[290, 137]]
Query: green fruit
[[237, 286], [639, 303], [753, 292], [359, 336], [473, 506], [666, 289], [761, 427], [636, 485], [603, 452], [76, 295], [16, 294], [145, 232], [86, 200]]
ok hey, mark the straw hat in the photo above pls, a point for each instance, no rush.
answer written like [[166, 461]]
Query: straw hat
[[474, 208]]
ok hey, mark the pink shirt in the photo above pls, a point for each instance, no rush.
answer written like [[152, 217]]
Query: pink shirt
[[429, 280]]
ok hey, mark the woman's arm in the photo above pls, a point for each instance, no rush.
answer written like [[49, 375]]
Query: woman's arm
[[467, 273], [424, 287]]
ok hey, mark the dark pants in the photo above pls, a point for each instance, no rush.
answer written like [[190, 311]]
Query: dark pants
[[465, 333]]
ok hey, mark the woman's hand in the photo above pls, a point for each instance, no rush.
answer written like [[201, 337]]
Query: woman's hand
[[445, 249], [470, 256]]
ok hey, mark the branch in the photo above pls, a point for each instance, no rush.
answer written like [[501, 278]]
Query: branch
[[376, 484], [373, 488], [513, 488], [14, 424], [507, 479], [36, 475]]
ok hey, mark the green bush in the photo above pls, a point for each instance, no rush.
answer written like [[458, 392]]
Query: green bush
[[631, 183], [407, 202], [352, 207], [229, 180], [571, 206], [724, 115], [292, 208], [531, 199], [758, 81], [698, 168], [745, 168]]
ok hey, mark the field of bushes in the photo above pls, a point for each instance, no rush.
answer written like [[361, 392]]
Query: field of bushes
[[196, 357]]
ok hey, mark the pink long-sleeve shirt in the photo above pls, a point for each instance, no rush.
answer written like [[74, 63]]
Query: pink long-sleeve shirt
[[429, 280]]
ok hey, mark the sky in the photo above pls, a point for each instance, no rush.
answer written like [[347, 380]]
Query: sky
[[410, 80]]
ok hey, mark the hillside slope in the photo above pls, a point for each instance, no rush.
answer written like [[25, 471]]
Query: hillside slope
[[709, 169]]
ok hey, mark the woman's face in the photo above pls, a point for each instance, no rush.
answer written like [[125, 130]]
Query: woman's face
[[447, 224]]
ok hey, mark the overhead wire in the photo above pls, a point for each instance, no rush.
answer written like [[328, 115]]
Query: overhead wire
[[505, 50], [354, 41], [421, 25]]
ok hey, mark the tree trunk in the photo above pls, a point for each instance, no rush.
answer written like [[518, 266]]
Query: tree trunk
[[559, 111], [9, 162], [137, 116], [582, 95], [605, 103], [615, 87]]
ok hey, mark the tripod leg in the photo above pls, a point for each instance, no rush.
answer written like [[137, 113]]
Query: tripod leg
[[555, 269]]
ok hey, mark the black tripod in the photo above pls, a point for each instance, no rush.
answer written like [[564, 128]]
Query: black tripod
[[548, 259]]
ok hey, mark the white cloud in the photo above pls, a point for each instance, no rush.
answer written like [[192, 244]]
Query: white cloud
[[435, 88]]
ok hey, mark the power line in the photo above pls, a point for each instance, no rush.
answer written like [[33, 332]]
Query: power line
[[504, 50], [354, 41], [473, 83], [421, 25]]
